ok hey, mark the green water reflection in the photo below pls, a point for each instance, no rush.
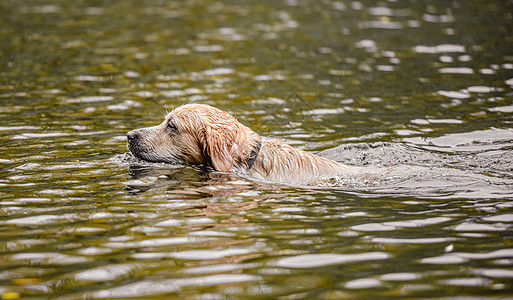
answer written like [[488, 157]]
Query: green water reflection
[[434, 78]]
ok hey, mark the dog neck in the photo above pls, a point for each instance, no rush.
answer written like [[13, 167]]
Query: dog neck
[[253, 156]]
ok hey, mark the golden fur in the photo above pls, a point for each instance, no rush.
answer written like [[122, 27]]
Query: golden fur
[[202, 134]]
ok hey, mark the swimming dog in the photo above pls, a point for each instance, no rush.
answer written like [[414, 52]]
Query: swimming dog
[[200, 134]]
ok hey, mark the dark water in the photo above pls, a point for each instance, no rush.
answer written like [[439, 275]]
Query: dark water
[[421, 85]]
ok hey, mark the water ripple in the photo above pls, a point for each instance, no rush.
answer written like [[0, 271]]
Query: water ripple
[[148, 288], [319, 260]]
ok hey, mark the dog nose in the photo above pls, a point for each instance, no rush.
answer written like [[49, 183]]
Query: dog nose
[[133, 135]]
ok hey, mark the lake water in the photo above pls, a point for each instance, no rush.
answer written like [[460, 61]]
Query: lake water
[[424, 85]]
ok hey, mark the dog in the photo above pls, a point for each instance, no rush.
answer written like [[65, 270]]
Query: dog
[[200, 134]]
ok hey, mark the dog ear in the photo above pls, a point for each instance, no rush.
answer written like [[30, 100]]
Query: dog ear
[[217, 150]]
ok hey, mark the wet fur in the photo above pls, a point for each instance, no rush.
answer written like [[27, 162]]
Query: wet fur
[[202, 134]]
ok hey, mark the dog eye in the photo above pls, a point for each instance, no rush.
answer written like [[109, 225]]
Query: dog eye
[[171, 127]]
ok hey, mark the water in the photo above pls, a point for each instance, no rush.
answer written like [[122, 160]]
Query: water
[[426, 84]]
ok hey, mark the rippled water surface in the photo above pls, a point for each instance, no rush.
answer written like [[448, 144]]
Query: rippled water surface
[[425, 87]]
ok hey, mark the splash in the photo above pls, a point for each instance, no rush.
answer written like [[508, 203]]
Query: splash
[[425, 170]]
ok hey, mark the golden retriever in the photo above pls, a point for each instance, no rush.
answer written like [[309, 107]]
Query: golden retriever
[[204, 135]]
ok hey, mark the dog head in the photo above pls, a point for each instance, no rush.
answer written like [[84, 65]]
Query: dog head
[[196, 134]]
